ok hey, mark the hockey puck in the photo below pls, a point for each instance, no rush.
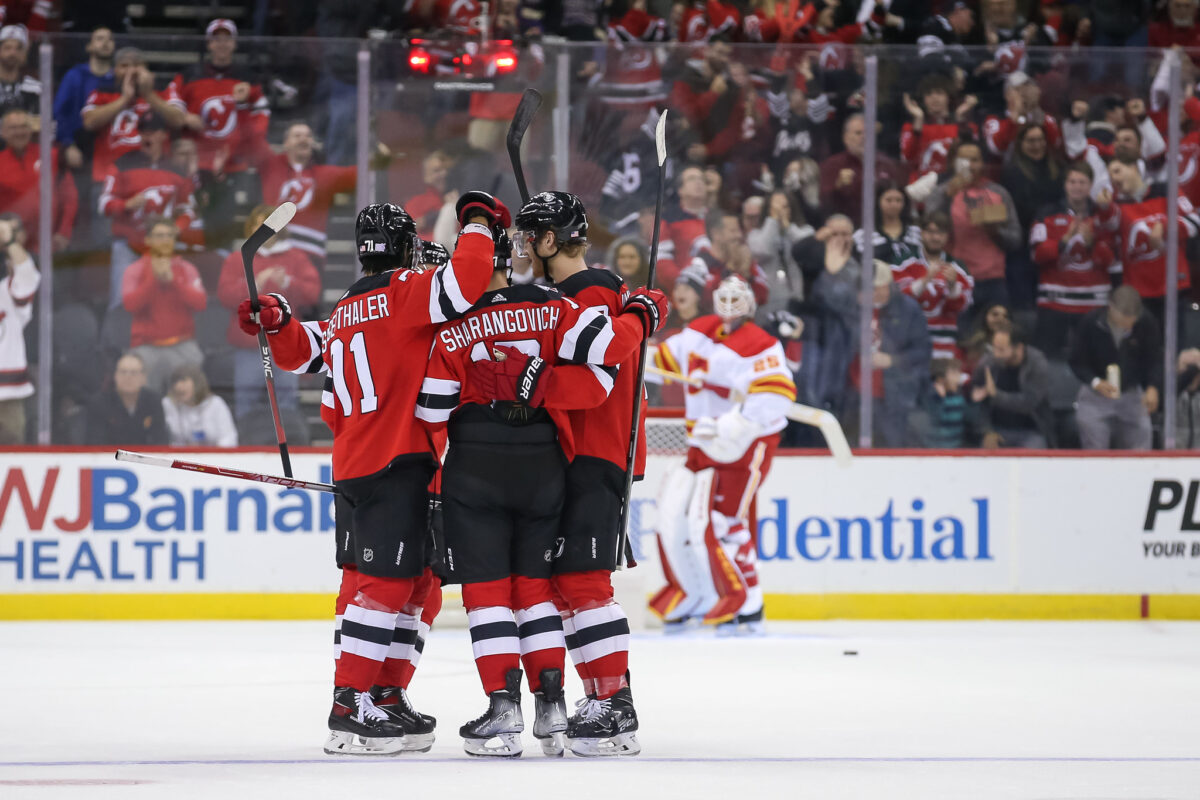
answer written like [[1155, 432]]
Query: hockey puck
[[849, 652]]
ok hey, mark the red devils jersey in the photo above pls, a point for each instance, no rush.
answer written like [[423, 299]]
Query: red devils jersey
[[33, 14], [999, 133], [168, 194], [121, 135], [20, 191], [207, 91], [941, 301], [1143, 261], [311, 187], [457, 15], [926, 151], [603, 432], [1072, 275], [374, 348], [539, 322]]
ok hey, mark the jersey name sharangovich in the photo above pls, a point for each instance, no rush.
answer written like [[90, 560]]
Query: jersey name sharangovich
[[374, 348], [748, 360]]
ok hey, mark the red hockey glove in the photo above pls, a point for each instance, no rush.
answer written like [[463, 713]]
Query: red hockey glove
[[473, 203], [517, 377], [651, 306], [273, 314]]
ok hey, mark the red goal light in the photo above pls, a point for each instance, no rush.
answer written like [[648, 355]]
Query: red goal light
[[419, 60]]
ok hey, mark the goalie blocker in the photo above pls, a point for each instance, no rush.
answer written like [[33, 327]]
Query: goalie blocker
[[706, 508]]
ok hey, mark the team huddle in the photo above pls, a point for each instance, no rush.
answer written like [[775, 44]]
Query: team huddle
[[531, 485], [481, 437]]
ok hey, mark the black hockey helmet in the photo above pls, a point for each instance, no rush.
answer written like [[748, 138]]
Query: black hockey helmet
[[386, 237], [560, 212]]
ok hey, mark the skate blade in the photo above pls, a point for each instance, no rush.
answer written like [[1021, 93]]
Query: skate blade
[[623, 744], [554, 745], [509, 746], [343, 743], [418, 743]]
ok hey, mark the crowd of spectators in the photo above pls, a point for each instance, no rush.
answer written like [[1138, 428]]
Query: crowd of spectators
[[1018, 251]]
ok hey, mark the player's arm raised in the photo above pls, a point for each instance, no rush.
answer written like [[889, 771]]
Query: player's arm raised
[[424, 298], [295, 345]]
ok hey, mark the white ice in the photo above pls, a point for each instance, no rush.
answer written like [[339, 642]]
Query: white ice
[[930, 710]]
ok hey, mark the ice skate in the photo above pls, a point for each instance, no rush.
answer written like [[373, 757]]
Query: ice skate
[[502, 722], [605, 727], [752, 624], [358, 728], [418, 728], [550, 714]]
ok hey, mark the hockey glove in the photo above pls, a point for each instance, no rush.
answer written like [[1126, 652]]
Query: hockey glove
[[651, 306], [475, 203], [516, 377], [788, 324], [273, 314]]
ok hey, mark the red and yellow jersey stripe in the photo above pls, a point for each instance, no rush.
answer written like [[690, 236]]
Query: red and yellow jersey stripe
[[776, 384], [664, 360]]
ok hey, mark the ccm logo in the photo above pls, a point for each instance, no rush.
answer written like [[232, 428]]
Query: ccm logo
[[1167, 495]]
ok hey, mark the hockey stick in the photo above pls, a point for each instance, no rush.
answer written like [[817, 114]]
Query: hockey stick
[[660, 144], [227, 472], [531, 101], [807, 415], [271, 226]]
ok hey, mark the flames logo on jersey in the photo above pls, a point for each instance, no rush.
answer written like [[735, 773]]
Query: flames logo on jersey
[[298, 190], [220, 117]]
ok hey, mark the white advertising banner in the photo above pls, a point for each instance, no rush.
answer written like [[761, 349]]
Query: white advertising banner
[[79, 522]]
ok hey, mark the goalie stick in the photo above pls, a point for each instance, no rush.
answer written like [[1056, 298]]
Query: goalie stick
[[807, 415], [271, 226], [226, 472], [531, 101], [660, 145]]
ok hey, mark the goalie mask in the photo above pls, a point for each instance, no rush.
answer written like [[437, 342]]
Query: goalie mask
[[386, 238], [733, 299]]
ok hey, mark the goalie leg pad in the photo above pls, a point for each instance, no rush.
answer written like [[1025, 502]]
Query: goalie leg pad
[[673, 497]]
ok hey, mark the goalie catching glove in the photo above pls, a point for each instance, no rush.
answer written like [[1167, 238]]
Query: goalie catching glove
[[274, 312], [725, 438], [516, 377], [650, 305]]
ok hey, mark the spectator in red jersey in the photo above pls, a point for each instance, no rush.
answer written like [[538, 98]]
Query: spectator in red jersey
[[1073, 261], [940, 285], [18, 90], [727, 253], [685, 218], [1178, 29], [926, 141], [1022, 99], [142, 185], [425, 207], [227, 114], [1136, 218], [278, 268], [20, 185], [111, 114], [32, 14], [294, 175], [841, 174], [163, 293], [983, 219]]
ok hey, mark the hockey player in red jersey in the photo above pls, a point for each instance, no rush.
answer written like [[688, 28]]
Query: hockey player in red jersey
[[552, 230], [706, 529], [503, 480], [373, 348]]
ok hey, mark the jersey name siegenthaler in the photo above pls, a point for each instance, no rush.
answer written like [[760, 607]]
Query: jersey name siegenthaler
[[499, 322], [355, 312]]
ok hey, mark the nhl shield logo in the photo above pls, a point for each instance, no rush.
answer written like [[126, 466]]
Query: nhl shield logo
[[368, 554]]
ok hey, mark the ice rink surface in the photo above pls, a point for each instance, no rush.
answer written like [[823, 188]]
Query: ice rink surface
[[924, 710]]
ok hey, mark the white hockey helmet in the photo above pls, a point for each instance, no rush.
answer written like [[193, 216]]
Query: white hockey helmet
[[734, 299]]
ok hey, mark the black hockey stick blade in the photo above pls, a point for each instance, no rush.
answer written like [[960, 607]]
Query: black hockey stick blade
[[660, 145], [531, 101], [273, 224]]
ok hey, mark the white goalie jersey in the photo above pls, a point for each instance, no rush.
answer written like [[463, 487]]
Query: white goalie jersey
[[751, 385]]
